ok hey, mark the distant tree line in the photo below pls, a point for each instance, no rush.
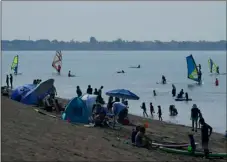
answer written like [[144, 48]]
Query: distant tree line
[[119, 44]]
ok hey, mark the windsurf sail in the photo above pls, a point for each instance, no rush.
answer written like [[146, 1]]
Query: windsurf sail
[[212, 66], [57, 60], [14, 66], [192, 68]]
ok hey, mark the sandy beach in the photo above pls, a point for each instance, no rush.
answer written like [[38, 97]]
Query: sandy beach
[[30, 136]]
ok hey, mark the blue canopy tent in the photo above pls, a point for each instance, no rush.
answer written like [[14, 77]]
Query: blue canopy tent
[[40, 92], [21, 91], [76, 111], [122, 93]]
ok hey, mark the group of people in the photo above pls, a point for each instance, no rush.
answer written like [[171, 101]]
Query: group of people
[[9, 81], [143, 107], [37, 81]]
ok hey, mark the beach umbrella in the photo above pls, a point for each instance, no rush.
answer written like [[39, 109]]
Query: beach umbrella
[[122, 93]]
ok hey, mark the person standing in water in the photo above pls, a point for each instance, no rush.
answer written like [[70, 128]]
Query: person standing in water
[[59, 69], [163, 79], [159, 113], [173, 90], [216, 82], [217, 69], [7, 81], [69, 73], [206, 131], [78, 91], [143, 107], [151, 109], [11, 80]]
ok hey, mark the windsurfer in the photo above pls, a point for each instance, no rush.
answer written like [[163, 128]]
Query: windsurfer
[[199, 76], [199, 67], [217, 69], [163, 79], [59, 69]]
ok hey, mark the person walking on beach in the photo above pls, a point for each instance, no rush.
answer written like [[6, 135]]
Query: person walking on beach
[[206, 131], [151, 109], [143, 107], [195, 113], [78, 91], [159, 113], [11, 80], [7, 81]]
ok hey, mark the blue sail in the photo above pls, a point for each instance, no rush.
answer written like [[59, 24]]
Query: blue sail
[[192, 68]]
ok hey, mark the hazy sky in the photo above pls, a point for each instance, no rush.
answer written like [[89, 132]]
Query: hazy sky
[[111, 20]]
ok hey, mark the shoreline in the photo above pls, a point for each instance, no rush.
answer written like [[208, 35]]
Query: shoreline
[[149, 119], [28, 135]]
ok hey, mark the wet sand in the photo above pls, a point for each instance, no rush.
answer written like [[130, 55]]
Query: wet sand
[[30, 136]]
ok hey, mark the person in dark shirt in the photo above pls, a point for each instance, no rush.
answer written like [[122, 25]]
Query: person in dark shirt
[[96, 92], [173, 90], [7, 81], [195, 112], [134, 133], [163, 79], [78, 91], [143, 107], [110, 103], [11, 80], [89, 89], [159, 113], [186, 96], [199, 76], [206, 131], [151, 109], [100, 90], [154, 93]]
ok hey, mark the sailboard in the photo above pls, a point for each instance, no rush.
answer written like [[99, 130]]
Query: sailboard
[[57, 60], [14, 66], [212, 66], [192, 68]]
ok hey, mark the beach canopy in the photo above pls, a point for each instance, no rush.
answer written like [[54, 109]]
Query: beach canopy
[[76, 111], [89, 100], [21, 91], [38, 93], [122, 93]]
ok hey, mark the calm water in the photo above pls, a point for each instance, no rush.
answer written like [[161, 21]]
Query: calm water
[[99, 68]]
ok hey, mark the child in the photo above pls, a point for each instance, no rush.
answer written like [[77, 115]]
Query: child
[[159, 113], [143, 107], [151, 109], [140, 140], [134, 133]]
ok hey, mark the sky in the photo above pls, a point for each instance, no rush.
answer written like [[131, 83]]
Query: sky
[[142, 21]]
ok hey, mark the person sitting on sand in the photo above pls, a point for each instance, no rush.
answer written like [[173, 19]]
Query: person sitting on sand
[[134, 133], [48, 104], [140, 140], [57, 106], [143, 107], [159, 113]]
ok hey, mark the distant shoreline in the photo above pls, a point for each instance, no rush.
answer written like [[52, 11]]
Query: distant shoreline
[[116, 45]]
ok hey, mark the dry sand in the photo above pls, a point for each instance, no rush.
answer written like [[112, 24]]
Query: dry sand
[[30, 136]]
